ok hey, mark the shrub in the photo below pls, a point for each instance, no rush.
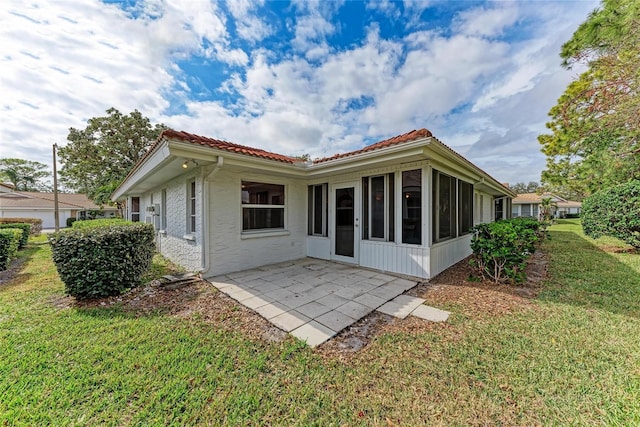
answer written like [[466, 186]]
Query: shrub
[[97, 223], [102, 260], [572, 215], [614, 212], [500, 249], [9, 242], [25, 230], [36, 223], [70, 221]]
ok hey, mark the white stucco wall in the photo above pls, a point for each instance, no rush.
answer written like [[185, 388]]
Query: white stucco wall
[[47, 216], [233, 250], [172, 241]]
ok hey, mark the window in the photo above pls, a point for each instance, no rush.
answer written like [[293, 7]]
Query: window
[[163, 209], [499, 208], [318, 206], [135, 209], [378, 207], [526, 210], [191, 207], [444, 205], [452, 206], [262, 206], [465, 207], [412, 207]]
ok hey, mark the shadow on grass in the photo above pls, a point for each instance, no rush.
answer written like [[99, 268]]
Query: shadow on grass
[[582, 274], [118, 311], [15, 274]]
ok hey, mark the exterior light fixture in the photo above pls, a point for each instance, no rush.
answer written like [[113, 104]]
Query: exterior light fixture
[[185, 165]]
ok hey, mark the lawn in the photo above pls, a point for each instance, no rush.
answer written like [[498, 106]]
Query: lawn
[[572, 357]]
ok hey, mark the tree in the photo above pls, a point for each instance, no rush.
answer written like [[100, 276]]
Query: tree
[[595, 126], [614, 212], [521, 187], [99, 157], [547, 209], [25, 175]]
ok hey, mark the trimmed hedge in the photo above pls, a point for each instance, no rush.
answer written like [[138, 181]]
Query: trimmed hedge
[[96, 223], [500, 249], [102, 260], [9, 242], [26, 230], [614, 212], [70, 221], [36, 223]]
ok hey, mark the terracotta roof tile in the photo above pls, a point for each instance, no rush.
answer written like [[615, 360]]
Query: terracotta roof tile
[[226, 146], [407, 137]]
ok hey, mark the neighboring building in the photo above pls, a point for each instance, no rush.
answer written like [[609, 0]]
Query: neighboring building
[[403, 205], [6, 187], [28, 204], [528, 205]]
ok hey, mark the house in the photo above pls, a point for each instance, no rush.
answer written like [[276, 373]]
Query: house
[[5, 187], [403, 205], [29, 204], [528, 205]]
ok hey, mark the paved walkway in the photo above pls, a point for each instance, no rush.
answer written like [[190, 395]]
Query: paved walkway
[[315, 299]]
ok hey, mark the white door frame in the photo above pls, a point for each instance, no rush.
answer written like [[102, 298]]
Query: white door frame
[[356, 218]]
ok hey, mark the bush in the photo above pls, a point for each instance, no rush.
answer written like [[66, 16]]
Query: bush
[[614, 212], [25, 230], [572, 215], [70, 221], [36, 223], [97, 223], [102, 260], [9, 242], [500, 249]]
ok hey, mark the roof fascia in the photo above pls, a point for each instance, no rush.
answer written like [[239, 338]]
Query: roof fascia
[[150, 164], [488, 180], [188, 150], [369, 158]]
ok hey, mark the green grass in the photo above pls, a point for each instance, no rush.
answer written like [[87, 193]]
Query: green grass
[[574, 360]]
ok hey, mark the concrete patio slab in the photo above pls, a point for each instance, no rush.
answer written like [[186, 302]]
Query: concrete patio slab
[[269, 311], [401, 306], [313, 333], [290, 320], [315, 299], [370, 300], [335, 320], [313, 309], [430, 313], [354, 309]]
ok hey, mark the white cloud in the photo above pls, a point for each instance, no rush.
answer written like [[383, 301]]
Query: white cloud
[[248, 26], [487, 22], [66, 61]]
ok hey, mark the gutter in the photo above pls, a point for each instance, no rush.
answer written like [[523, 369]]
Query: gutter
[[206, 179]]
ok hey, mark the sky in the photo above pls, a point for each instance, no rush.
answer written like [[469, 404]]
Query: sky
[[299, 77]]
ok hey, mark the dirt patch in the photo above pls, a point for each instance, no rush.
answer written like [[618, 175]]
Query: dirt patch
[[199, 300], [12, 270], [618, 249], [452, 290]]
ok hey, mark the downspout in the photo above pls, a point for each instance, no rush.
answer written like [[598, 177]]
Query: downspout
[[207, 177]]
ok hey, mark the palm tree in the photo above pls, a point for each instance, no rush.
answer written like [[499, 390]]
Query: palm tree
[[547, 209]]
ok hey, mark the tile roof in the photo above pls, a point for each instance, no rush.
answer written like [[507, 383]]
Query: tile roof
[[226, 146], [32, 199], [527, 198], [407, 137]]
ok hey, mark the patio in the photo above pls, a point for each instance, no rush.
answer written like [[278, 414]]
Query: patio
[[314, 299]]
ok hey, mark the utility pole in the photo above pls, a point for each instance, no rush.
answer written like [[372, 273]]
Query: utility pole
[[56, 210]]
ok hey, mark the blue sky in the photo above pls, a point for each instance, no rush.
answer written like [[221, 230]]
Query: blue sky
[[291, 77]]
